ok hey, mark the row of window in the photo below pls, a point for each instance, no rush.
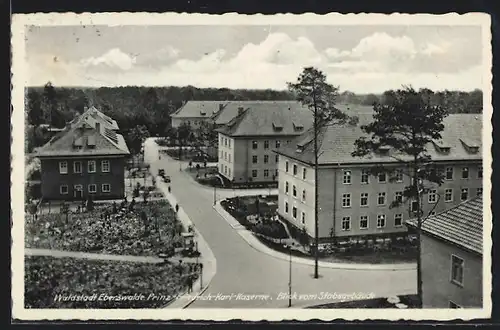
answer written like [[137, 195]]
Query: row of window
[[92, 188], [364, 221], [267, 173], [225, 141], [294, 213], [78, 168], [225, 169], [295, 170], [225, 155], [255, 144], [432, 196], [255, 159], [294, 191]]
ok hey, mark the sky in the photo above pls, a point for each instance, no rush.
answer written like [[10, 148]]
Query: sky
[[361, 59]]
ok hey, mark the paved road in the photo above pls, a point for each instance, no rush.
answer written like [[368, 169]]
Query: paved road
[[242, 269]]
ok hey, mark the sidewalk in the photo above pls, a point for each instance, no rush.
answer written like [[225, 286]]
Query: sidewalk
[[90, 256], [259, 246], [207, 256]]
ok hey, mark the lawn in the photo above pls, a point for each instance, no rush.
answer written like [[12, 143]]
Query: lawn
[[408, 300], [88, 232], [49, 279]]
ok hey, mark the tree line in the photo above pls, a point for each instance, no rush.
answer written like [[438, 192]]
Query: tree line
[[146, 111]]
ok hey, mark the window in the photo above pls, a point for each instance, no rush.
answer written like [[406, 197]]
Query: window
[[432, 198], [346, 200], [365, 176], [364, 199], [266, 144], [448, 195], [277, 157], [381, 198], [294, 189], [398, 220], [229, 143], [91, 166], [457, 270], [382, 178], [381, 221], [266, 173], [479, 192], [229, 171], [294, 212], [254, 145], [398, 196], [399, 175], [347, 177], [432, 213], [278, 143], [286, 187], [63, 167], [304, 173], [304, 195], [303, 218], [105, 166], [479, 172], [254, 173], [92, 188], [448, 173], [77, 167], [286, 166], [295, 169], [276, 172], [464, 195], [414, 206], [266, 159], [286, 207], [465, 173], [63, 189], [363, 222], [453, 305], [254, 159], [346, 223]]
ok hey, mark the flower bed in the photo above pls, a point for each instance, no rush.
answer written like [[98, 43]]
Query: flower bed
[[50, 281], [128, 235]]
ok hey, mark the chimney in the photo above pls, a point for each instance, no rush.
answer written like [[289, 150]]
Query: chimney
[[98, 127], [240, 110]]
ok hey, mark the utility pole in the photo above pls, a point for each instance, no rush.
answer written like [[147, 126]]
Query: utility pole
[[316, 185], [416, 183]]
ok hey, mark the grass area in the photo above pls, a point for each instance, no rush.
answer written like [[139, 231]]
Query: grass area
[[48, 280], [408, 300], [88, 232]]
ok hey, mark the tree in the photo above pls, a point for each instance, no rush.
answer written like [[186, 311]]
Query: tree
[[49, 102], [312, 90], [34, 105], [406, 124], [136, 137]]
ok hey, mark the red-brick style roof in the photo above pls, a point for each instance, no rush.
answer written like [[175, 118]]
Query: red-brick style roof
[[461, 225]]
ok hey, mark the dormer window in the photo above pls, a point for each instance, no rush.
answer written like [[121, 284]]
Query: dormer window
[[78, 143], [442, 147], [384, 149], [470, 145], [203, 113], [277, 127], [298, 126]]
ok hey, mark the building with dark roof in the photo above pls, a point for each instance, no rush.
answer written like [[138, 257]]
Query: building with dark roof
[[86, 159], [452, 250], [246, 142], [353, 203], [194, 113]]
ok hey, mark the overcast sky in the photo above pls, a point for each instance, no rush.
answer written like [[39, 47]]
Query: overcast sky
[[362, 59]]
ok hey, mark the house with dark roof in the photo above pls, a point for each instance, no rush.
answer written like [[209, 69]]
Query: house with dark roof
[[195, 113], [86, 159], [247, 141], [352, 203], [452, 253]]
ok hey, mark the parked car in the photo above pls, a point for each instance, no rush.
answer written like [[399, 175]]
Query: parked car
[[166, 179]]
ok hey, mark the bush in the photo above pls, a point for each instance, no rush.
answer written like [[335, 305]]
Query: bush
[[272, 229]]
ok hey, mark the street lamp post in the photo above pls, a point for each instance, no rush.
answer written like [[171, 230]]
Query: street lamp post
[[215, 193], [289, 248]]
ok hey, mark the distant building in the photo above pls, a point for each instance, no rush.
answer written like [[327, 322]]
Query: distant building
[[194, 113], [86, 158], [452, 253], [247, 141], [354, 204]]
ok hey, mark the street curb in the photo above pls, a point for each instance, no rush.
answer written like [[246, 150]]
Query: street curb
[[257, 245]]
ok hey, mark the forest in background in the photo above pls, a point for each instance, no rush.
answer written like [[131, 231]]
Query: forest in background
[[145, 111]]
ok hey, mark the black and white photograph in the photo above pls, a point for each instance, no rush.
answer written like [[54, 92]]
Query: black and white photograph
[[271, 167]]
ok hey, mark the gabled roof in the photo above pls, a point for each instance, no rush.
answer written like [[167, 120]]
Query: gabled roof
[[81, 138], [336, 142], [268, 118], [461, 225], [93, 116], [199, 109]]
